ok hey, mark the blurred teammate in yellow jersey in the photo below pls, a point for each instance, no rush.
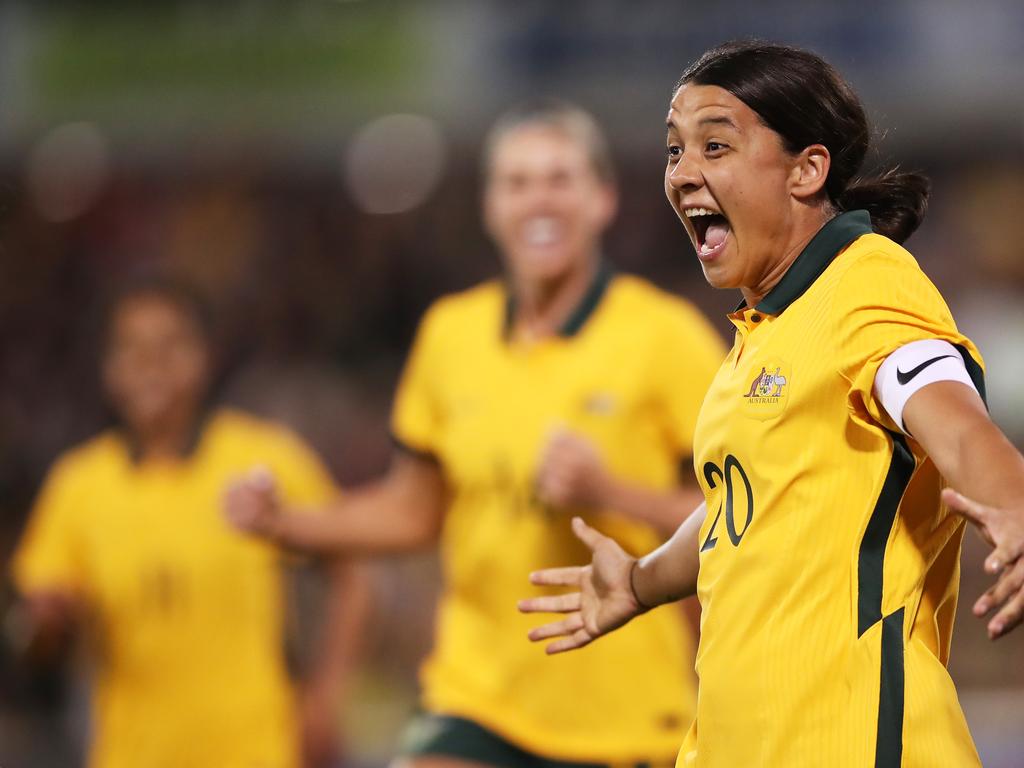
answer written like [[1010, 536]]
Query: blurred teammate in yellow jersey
[[127, 544], [562, 387]]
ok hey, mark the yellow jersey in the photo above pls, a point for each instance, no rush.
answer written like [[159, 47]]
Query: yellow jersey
[[186, 615], [829, 571], [628, 371]]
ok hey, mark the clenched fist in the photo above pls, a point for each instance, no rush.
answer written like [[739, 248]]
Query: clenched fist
[[251, 504], [571, 472]]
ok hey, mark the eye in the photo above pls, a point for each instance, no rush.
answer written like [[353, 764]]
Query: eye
[[674, 151], [715, 147]]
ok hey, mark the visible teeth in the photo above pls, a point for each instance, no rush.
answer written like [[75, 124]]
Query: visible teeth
[[541, 231], [691, 212]]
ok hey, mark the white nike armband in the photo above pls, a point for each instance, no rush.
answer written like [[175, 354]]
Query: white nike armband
[[913, 366]]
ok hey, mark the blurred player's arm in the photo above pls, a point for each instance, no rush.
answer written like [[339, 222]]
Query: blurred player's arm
[[986, 476], [615, 587], [402, 512], [328, 684], [572, 474], [41, 625]]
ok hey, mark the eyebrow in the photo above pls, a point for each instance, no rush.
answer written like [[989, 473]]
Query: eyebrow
[[711, 121], [718, 121]]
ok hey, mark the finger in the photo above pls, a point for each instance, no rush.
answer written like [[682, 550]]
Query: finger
[[972, 510], [551, 603], [1004, 555], [570, 576], [577, 639], [1009, 584], [261, 479], [555, 493], [1008, 617], [985, 603], [557, 628], [586, 534]]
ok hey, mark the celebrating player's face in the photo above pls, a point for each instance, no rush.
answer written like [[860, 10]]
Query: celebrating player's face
[[728, 179], [156, 363], [544, 204]]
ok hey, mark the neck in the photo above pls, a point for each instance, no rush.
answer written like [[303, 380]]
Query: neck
[[801, 230], [166, 438], [543, 307]]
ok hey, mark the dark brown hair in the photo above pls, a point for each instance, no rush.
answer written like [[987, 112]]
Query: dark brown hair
[[806, 101]]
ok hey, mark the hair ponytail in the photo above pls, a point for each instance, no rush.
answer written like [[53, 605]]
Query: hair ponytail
[[896, 200]]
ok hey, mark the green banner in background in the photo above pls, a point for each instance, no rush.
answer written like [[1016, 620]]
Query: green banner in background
[[139, 67]]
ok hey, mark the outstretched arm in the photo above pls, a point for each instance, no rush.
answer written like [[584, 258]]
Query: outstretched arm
[[400, 513], [615, 587], [986, 475]]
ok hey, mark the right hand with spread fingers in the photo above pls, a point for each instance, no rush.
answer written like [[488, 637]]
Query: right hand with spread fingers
[[605, 600], [251, 503]]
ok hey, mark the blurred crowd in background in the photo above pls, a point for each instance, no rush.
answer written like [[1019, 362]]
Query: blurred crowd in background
[[313, 167]]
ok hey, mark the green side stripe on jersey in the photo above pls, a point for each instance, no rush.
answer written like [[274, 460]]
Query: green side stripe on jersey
[[974, 371], [871, 560], [889, 742]]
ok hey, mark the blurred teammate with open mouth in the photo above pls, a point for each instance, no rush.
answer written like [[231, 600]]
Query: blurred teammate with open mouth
[[562, 387]]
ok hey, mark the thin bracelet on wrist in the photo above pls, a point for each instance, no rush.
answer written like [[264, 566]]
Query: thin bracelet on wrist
[[632, 588]]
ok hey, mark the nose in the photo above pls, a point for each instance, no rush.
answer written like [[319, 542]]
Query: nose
[[685, 176]]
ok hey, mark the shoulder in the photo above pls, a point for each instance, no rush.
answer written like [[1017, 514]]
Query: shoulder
[[875, 266], [89, 460], [665, 312], [461, 322], [877, 275], [872, 260], [641, 295], [471, 304], [236, 431]]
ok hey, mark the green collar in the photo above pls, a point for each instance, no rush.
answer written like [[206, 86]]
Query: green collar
[[188, 450], [579, 316], [813, 259]]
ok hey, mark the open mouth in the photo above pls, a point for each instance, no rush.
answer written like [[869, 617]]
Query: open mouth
[[711, 230], [542, 231]]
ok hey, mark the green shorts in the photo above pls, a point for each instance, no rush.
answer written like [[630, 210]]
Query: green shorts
[[431, 734]]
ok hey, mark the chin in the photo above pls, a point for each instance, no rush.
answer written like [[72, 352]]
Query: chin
[[717, 277], [548, 267]]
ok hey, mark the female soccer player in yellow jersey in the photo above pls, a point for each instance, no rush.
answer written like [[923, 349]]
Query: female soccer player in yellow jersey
[[127, 544], [563, 386], [825, 556]]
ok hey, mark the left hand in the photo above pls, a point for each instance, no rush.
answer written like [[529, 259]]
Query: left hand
[[1004, 530], [571, 472], [319, 728]]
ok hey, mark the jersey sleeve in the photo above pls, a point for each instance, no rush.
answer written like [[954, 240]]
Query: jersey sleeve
[[416, 416], [691, 354], [882, 304], [50, 554]]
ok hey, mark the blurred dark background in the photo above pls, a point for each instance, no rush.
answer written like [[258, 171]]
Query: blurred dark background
[[313, 167]]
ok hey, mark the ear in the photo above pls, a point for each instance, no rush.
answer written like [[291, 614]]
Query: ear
[[609, 206], [810, 170]]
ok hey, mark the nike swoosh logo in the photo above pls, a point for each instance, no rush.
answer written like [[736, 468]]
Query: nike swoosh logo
[[904, 378]]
